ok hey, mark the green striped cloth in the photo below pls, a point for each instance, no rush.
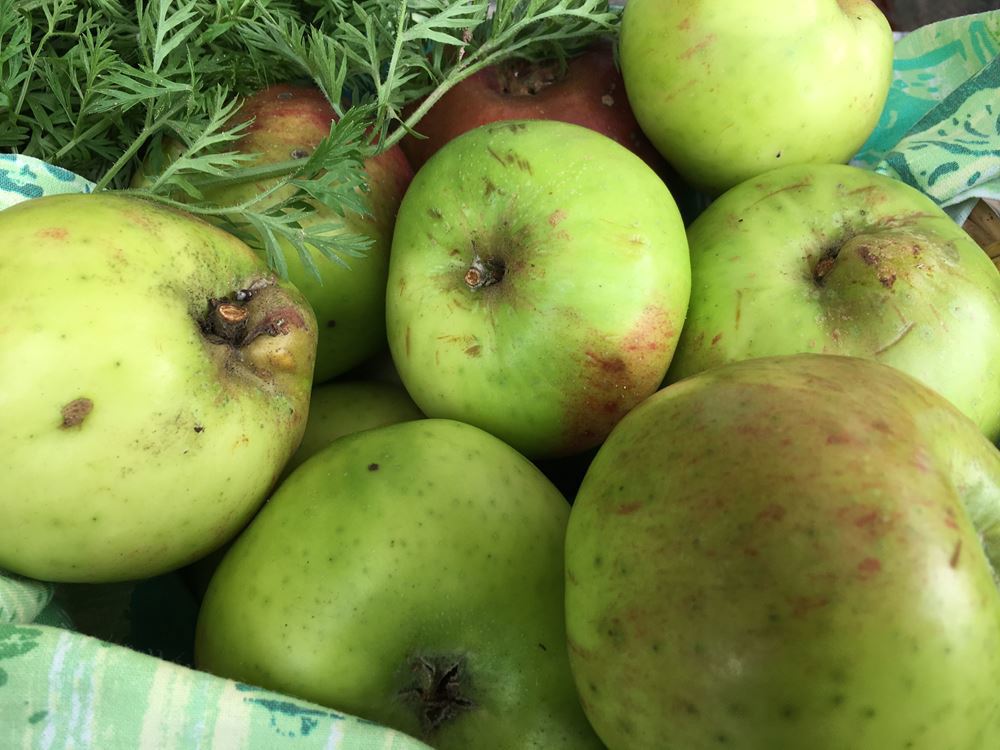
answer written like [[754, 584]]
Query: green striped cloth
[[130, 688]]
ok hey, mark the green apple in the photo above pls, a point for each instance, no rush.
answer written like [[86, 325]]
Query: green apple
[[154, 379], [538, 281], [839, 260], [349, 297], [412, 575], [727, 90], [343, 407], [788, 553]]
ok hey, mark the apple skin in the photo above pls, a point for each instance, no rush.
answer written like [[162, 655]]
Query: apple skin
[[343, 407], [726, 91], [349, 301], [835, 259], [782, 553], [593, 279], [589, 92], [427, 539], [133, 441]]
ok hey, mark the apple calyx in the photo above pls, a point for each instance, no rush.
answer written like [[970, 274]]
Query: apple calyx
[[260, 331], [484, 272], [437, 693], [525, 78]]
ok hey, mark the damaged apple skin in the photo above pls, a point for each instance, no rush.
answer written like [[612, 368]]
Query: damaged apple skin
[[538, 282], [835, 259], [154, 379], [410, 574], [786, 553], [348, 298]]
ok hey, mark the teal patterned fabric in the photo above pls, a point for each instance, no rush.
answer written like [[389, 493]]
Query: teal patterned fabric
[[940, 129], [132, 688]]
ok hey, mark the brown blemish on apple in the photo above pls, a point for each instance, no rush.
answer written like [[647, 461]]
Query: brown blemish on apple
[[406, 339], [773, 512], [839, 438], [868, 568], [716, 338], [75, 412], [685, 24], [627, 509], [556, 217], [434, 214], [802, 184], [956, 553], [895, 340], [53, 233], [700, 46], [495, 155], [803, 605], [489, 187]]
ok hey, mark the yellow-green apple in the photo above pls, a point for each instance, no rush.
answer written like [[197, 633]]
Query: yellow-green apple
[[343, 407], [726, 90], [348, 298], [786, 553], [410, 574], [839, 260], [154, 379], [538, 281]]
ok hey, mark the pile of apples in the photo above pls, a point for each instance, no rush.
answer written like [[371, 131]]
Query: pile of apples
[[558, 464]]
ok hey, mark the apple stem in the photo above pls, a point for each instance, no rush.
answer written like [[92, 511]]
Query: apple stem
[[484, 272], [228, 320]]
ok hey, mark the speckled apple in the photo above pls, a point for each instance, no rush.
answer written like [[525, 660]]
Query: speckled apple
[[154, 379], [786, 553], [727, 90], [412, 575], [835, 259], [538, 281]]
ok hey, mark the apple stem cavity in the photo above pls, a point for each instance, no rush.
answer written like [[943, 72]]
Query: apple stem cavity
[[437, 693], [484, 272]]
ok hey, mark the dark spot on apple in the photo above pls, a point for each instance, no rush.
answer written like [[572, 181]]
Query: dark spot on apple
[[75, 412], [686, 706], [837, 700], [789, 712], [956, 554], [868, 712], [777, 155], [331, 324], [495, 155], [372, 467], [434, 214], [542, 647], [881, 426], [199, 428], [869, 567], [773, 512]]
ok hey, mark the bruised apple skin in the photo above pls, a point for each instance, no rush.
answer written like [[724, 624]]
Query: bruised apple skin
[[787, 553], [728, 90], [589, 91], [834, 259], [154, 379], [410, 574], [349, 300], [538, 282]]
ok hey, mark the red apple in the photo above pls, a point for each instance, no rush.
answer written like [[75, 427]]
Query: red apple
[[588, 92]]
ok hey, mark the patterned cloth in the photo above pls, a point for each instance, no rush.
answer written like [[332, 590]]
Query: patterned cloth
[[940, 129], [940, 132]]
